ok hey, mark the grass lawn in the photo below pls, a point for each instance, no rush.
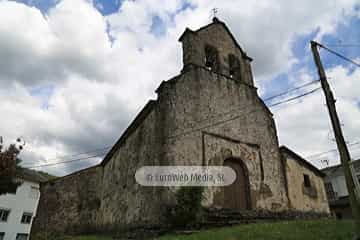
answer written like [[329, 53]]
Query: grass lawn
[[89, 238], [292, 230]]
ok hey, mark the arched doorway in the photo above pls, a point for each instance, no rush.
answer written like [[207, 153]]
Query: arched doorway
[[236, 195]]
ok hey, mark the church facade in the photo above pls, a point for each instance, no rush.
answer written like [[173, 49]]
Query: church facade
[[208, 115]]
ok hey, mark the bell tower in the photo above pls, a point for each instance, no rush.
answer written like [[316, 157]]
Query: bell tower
[[213, 47]]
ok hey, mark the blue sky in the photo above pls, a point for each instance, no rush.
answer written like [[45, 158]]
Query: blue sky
[[346, 41], [104, 6], [71, 69]]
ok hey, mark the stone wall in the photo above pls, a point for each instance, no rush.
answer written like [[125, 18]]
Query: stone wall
[[69, 204], [124, 202], [304, 198]]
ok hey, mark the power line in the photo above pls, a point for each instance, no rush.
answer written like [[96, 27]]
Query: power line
[[339, 55], [77, 154], [296, 97], [291, 90], [343, 45], [240, 107], [73, 160], [238, 116], [197, 129], [331, 150], [265, 100]]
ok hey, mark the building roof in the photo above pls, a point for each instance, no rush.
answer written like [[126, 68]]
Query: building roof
[[32, 175], [302, 160], [216, 21], [332, 169], [132, 127]]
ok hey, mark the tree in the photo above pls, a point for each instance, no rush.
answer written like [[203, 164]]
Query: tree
[[8, 165]]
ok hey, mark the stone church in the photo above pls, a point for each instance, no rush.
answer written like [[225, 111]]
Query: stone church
[[209, 114]]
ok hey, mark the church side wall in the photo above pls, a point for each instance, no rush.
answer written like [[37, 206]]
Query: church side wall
[[124, 202], [69, 204]]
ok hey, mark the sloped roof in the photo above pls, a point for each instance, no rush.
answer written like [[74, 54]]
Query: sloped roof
[[132, 127], [217, 21], [332, 169], [301, 160], [32, 175]]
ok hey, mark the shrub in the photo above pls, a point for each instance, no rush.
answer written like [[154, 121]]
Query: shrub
[[49, 236], [188, 206]]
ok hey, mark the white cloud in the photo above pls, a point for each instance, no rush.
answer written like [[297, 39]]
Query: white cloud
[[39, 49], [267, 29], [100, 85], [306, 126]]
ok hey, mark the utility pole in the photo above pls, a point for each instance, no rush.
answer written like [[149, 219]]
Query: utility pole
[[340, 141]]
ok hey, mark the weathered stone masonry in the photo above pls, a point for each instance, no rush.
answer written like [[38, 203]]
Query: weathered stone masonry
[[71, 203], [209, 113], [302, 197]]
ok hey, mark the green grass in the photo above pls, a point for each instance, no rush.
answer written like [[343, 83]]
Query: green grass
[[90, 238], [292, 230]]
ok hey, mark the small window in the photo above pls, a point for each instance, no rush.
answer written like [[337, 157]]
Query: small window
[[2, 235], [330, 191], [307, 181], [234, 66], [4, 214], [26, 218], [211, 58], [22, 236]]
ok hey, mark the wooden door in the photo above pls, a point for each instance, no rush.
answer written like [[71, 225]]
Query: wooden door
[[235, 194]]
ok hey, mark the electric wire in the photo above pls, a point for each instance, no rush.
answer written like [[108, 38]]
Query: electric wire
[[339, 55], [183, 133]]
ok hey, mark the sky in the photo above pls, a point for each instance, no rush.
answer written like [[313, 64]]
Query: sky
[[74, 73]]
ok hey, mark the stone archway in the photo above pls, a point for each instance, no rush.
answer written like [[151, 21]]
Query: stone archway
[[237, 195]]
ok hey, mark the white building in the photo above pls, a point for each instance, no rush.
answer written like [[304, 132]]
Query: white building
[[18, 210], [337, 191]]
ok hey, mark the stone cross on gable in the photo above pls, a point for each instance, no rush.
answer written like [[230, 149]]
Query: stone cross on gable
[[214, 11]]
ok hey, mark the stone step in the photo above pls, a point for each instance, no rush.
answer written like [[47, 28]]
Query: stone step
[[228, 217]]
